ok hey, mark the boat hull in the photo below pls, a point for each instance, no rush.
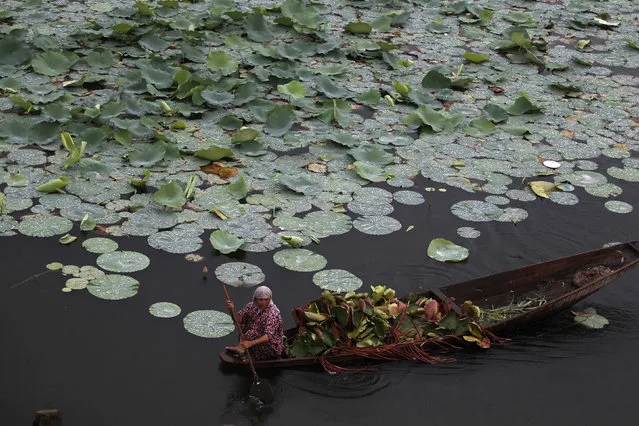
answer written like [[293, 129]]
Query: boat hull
[[561, 282]]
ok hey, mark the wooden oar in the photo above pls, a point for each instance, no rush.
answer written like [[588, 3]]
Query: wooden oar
[[261, 388]]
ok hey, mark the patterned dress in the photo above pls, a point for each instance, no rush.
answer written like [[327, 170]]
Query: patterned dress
[[256, 322]]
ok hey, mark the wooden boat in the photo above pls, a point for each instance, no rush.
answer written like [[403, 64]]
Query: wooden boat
[[561, 282]]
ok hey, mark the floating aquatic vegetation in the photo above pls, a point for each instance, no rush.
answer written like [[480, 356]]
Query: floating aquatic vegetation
[[225, 242], [468, 232], [240, 274], [590, 319], [585, 178], [114, 287], [446, 251], [44, 225], [100, 245], [377, 225], [476, 211], [54, 266], [618, 206], [564, 198], [77, 283], [411, 198], [337, 280], [123, 261], [299, 260], [209, 323], [175, 242], [165, 310]]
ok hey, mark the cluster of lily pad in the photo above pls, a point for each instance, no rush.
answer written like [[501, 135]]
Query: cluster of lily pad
[[271, 124], [364, 320]]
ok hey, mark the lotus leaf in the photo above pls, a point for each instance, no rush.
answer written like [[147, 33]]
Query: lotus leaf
[[238, 188], [618, 206], [377, 225], [214, 153], [480, 128], [225, 242], [293, 88], [240, 274], [522, 105], [279, 121], [303, 184], [590, 319], [299, 260], [165, 310], [175, 242], [114, 287], [542, 188], [54, 185], [257, 29], [99, 245], [245, 134], [446, 251], [337, 280], [359, 27], [51, 63], [437, 121], [371, 172], [209, 324], [221, 62], [77, 283], [44, 225]]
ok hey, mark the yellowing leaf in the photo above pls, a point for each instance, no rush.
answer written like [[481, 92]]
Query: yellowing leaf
[[542, 188]]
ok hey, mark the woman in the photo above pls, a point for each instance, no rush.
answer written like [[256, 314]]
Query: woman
[[261, 323]]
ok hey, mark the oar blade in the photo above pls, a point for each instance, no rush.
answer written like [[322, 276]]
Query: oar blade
[[262, 391]]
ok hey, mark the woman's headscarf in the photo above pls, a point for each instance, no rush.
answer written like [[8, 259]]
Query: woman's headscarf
[[262, 292]]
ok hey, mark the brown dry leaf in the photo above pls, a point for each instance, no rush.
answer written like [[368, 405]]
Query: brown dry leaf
[[568, 133], [635, 123], [621, 146], [220, 170], [542, 188], [572, 118], [317, 167]]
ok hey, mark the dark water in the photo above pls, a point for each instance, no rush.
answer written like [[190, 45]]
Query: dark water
[[112, 364]]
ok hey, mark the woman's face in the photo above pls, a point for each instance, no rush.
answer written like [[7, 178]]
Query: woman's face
[[262, 302]]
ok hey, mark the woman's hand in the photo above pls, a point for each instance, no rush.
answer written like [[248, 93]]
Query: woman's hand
[[246, 344]]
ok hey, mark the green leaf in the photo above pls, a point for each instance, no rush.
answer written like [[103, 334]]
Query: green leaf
[[371, 172], [358, 27], [17, 181], [402, 89], [257, 29], [589, 318], [87, 223], [329, 88], [522, 105], [298, 13], [214, 153], [293, 88], [22, 103], [370, 98], [496, 113], [100, 59], [75, 155], [221, 62], [480, 128], [51, 64], [67, 239], [437, 121], [446, 251], [436, 80], [238, 188], [631, 43], [225, 242], [303, 184], [475, 58], [147, 155], [215, 97], [13, 51], [279, 121], [336, 110], [245, 134], [54, 185], [170, 195], [581, 44]]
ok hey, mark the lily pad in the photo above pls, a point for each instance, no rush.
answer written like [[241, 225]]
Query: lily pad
[[165, 310], [209, 323], [377, 225], [240, 274], [77, 283], [618, 206], [225, 242], [114, 287], [300, 260], [100, 245], [337, 280], [446, 251], [44, 225], [123, 261], [590, 319]]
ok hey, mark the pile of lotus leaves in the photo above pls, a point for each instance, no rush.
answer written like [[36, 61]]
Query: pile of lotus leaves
[[365, 320]]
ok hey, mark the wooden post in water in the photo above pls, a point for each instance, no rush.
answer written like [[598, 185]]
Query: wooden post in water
[[48, 418]]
